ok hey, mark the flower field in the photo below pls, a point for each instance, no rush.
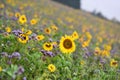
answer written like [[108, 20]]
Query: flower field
[[45, 40]]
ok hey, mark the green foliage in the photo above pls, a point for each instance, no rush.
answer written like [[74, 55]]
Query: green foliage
[[29, 60]]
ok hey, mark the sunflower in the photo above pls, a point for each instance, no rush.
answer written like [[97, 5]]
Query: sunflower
[[47, 30], [51, 68], [97, 51], [85, 44], [28, 32], [22, 19], [47, 46], [107, 47], [88, 35], [105, 53], [33, 21], [17, 14], [67, 45], [23, 38], [113, 63], [55, 28], [75, 35], [40, 37], [8, 29]]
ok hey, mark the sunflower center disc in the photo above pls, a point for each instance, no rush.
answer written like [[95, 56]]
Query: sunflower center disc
[[114, 63], [48, 45], [67, 44]]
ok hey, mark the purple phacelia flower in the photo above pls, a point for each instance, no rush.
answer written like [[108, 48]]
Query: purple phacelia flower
[[44, 52], [24, 78], [20, 70], [50, 54], [9, 56], [17, 32], [4, 54], [14, 18], [9, 62], [16, 55]]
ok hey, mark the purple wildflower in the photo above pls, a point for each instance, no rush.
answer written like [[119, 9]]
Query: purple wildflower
[[50, 54], [9, 56], [9, 62], [14, 18], [44, 52], [17, 32], [47, 53], [24, 78], [16, 55], [20, 70], [33, 36], [4, 54]]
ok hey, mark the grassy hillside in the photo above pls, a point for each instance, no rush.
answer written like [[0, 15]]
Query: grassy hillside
[[45, 40]]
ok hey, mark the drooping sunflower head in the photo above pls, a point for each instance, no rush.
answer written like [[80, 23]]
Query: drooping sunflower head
[[47, 46], [51, 68], [22, 19], [67, 45]]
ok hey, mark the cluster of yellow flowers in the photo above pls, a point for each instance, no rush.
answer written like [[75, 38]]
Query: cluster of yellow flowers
[[104, 52], [86, 42], [22, 19]]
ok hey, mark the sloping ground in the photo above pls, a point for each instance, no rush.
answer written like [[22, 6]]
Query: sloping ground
[[63, 16], [47, 9], [77, 18], [23, 52]]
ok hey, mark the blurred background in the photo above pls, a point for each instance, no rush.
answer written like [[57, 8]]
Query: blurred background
[[107, 9]]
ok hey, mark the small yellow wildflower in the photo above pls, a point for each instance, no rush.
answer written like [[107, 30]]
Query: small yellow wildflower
[[47, 46], [97, 51], [8, 29], [51, 68], [28, 32], [75, 35], [22, 19], [54, 27], [40, 37], [82, 62], [85, 44], [89, 36], [113, 63], [47, 30], [105, 53], [17, 14], [33, 21], [107, 47]]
